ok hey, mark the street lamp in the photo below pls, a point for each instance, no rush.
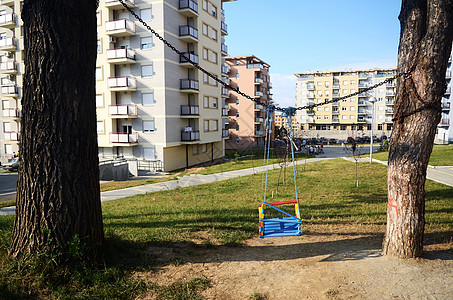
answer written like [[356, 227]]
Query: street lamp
[[372, 100]]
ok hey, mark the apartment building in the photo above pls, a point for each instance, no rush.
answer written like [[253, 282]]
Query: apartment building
[[246, 123], [444, 134], [152, 105], [281, 121], [349, 117]]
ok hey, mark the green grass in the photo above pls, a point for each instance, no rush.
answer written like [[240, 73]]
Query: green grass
[[7, 203], [183, 221], [441, 155]]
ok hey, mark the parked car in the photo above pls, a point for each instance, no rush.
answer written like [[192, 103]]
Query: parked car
[[350, 140], [12, 165], [323, 140], [359, 140], [333, 141], [366, 139]]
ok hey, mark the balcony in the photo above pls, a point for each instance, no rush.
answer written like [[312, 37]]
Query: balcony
[[8, 44], [190, 136], [8, 20], [11, 136], [259, 80], [190, 111], [445, 105], [259, 133], [185, 57], [224, 49], [335, 120], [124, 138], [335, 103], [258, 106], [448, 90], [364, 94], [115, 4], [225, 69], [225, 111], [8, 67], [123, 111], [389, 111], [10, 113], [225, 133], [390, 94], [188, 34], [335, 113], [225, 92], [9, 90], [269, 85], [188, 8], [444, 122], [259, 94], [390, 84], [121, 56], [362, 103], [361, 120], [390, 102], [259, 120], [189, 85], [335, 94], [363, 75], [448, 75], [362, 112], [335, 86], [363, 85], [120, 27], [310, 87], [122, 83], [310, 96], [255, 66], [223, 28], [310, 112]]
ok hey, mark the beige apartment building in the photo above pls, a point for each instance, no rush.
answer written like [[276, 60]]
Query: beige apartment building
[[152, 105], [281, 121], [247, 118], [349, 117]]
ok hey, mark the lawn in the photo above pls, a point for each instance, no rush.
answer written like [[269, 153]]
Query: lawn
[[224, 213], [442, 155]]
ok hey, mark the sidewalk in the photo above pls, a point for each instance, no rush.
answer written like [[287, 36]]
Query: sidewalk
[[443, 175]]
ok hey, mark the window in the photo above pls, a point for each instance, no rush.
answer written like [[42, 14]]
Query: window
[[345, 91], [99, 73], [318, 117], [195, 149], [98, 18], [100, 126], [213, 125], [318, 108], [352, 108], [343, 127], [344, 117], [205, 5], [99, 46], [213, 102], [147, 71], [389, 126], [205, 29], [205, 53], [213, 34], [351, 117], [319, 83], [326, 84], [380, 108], [327, 92], [148, 99], [145, 14], [146, 43], [237, 75], [368, 127], [237, 140], [99, 100], [148, 126], [206, 125], [352, 81], [237, 101], [352, 91], [379, 126], [344, 108], [326, 117], [213, 57], [237, 127], [237, 115], [345, 82], [149, 153], [352, 100], [204, 148], [319, 93], [205, 78], [213, 11]]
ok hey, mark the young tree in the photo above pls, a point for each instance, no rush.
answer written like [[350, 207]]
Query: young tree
[[424, 49], [58, 189]]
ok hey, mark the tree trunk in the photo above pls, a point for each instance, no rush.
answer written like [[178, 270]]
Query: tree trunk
[[425, 45], [58, 189]]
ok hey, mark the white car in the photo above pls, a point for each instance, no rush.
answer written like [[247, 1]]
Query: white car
[[12, 165]]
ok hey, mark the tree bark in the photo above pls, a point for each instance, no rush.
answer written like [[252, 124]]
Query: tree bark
[[58, 188], [424, 49]]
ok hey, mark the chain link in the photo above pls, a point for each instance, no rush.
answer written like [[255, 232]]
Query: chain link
[[236, 89]]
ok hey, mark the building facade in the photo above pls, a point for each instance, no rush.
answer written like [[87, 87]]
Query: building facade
[[444, 133], [152, 105], [349, 117], [247, 118]]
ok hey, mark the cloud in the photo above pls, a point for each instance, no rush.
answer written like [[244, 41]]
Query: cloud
[[283, 89]]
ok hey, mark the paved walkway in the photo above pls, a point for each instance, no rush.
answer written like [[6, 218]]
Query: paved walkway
[[440, 174]]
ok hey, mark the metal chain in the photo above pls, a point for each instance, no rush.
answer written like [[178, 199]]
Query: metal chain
[[196, 65]]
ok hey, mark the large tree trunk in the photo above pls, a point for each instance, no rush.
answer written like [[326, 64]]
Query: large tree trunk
[[58, 189], [425, 45]]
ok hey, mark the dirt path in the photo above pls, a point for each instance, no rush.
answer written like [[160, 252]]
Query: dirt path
[[315, 266]]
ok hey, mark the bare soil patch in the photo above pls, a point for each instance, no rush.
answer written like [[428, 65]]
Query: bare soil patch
[[326, 262]]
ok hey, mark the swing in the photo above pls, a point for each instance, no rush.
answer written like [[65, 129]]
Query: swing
[[289, 225]]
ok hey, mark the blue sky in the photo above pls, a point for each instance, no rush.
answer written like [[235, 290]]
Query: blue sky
[[294, 36]]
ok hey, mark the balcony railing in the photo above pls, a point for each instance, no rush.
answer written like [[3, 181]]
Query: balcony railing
[[310, 87], [259, 132], [444, 122], [362, 103], [225, 92], [8, 42], [224, 48], [224, 27], [7, 19], [10, 112], [363, 85], [259, 94], [11, 136], [389, 102], [259, 106], [259, 120], [189, 84], [255, 66], [8, 66], [225, 133], [190, 110], [225, 111], [446, 105], [188, 4], [335, 94], [310, 112], [187, 30], [123, 137], [120, 24], [259, 80], [225, 69], [390, 93], [122, 82], [190, 136], [9, 90], [335, 86], [335, 120], [183, 57], [335, 103], [121, 53], [389, 111], [117, 4], [123, 110]]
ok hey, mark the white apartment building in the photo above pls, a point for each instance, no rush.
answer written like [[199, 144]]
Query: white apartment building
[[444, 133], [152, 105]]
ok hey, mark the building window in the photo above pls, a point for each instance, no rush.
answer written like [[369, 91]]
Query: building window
[[237, 127], [351, 117], [205, 101], [345, 82], [344, 108], [214, 125], [213, 11], [326, 84], [213, 102], [237, 101], [99, 75], [205, 78], [319, 83], [345, 91], [98, 18], [206, 125], [205, 29], [204, 148], [368, 127], [213, 34], [318, 117], [237, 140], [237, 115], [148, 126], [100, 126], [146, 43], [352, 108], [326, 108], [205, 5], [379, 126], [148, 99], [326, 117], [237, 75], [99, 100], [147, 71], [389, 126], [352, 81], [99, 46], [344, 117], [343, 127], [352, 100], [146, 14], [149, 153], [213, 57]]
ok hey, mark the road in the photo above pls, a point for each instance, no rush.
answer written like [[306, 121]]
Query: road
[[8, 182]]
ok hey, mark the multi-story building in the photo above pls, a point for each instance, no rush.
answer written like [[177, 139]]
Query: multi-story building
[[444, 133], [152, 104], [247, 118], [351, 116], [281, 121]]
